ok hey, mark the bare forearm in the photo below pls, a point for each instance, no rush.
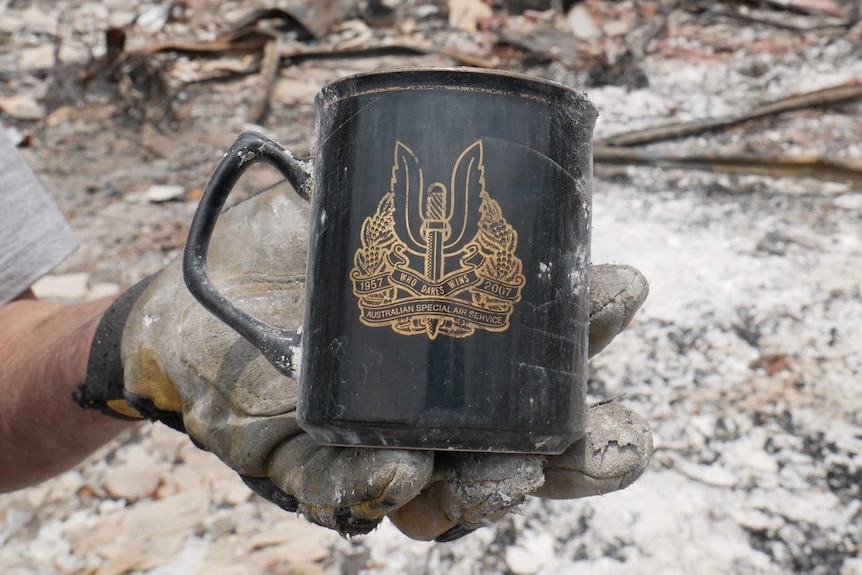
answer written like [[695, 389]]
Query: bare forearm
[[44, 348]]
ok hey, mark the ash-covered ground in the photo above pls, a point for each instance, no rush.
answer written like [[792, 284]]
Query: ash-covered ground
[[746, 358]]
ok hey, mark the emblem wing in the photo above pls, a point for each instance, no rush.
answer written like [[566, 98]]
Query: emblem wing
[[495, 239], [468, 182], [406, 183]]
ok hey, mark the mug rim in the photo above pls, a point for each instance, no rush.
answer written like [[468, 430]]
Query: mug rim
[[381, 80]]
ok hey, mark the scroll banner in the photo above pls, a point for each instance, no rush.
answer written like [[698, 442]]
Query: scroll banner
[[455, 309], [418, 286]]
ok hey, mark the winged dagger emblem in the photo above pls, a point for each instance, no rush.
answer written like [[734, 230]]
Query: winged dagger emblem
[[437, 259]]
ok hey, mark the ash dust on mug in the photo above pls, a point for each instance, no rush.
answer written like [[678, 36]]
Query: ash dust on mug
[[448, 291]]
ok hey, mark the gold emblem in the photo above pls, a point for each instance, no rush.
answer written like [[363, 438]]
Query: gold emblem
[[437, 280]]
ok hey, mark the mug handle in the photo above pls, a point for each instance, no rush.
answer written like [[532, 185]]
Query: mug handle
[[250, 148]]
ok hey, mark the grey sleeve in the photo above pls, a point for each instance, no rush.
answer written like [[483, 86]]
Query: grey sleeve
[[34, 237]]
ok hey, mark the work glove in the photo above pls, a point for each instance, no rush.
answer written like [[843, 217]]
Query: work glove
[[158, 354]]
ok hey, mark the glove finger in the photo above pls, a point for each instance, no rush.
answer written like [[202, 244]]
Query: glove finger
[[616, 294], [345, 488], [473, 490], [614, 452], [264, 487]]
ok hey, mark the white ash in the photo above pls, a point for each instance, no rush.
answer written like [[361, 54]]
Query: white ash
[[746, 358]]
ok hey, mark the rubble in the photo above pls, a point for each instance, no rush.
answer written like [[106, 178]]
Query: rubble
[[746, 358]]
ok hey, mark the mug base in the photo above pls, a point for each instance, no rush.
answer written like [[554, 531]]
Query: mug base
[[399, 436]]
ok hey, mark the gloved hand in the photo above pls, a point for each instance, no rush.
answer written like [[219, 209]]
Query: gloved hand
[[158, 354]]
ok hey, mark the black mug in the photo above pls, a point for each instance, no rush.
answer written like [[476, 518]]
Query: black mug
[[447, 296]]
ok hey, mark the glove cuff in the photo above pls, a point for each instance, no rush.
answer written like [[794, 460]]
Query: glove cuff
[[103, 388]]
